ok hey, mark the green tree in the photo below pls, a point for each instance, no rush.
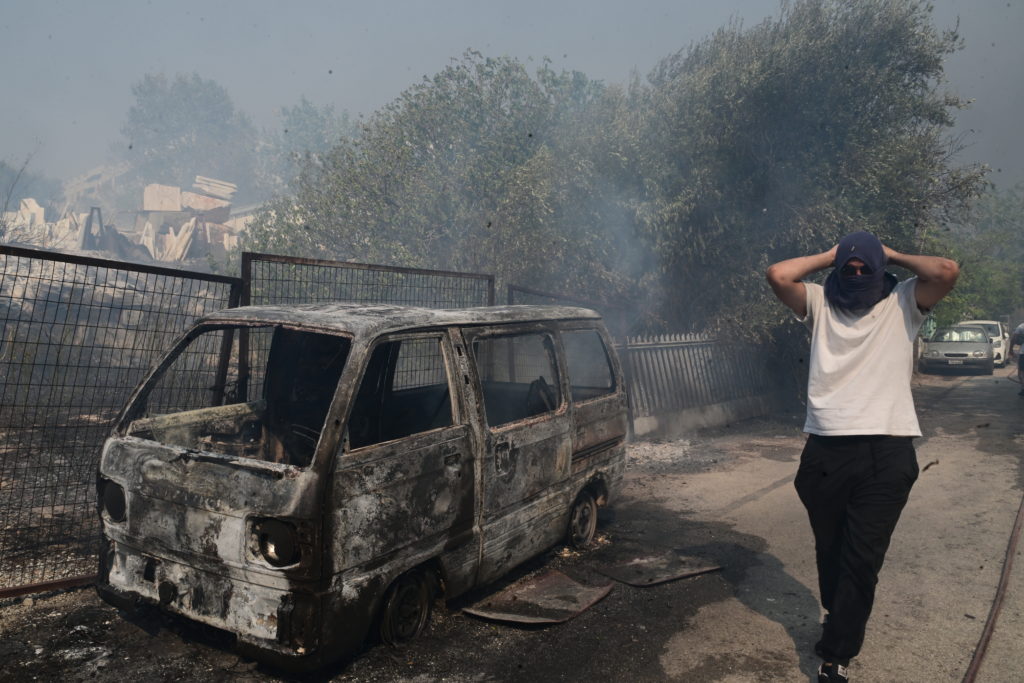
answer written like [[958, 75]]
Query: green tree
[[779, 139], [989, 246], [672, 194], [475, 168], [186, 126], [307, 132]]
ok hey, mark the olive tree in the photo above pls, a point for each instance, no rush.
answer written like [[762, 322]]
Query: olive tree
[[989, 245], [669, 195], [778, 139], [482, 167], [185, 126]]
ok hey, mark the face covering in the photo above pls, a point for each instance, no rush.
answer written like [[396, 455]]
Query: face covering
[[859, 292]]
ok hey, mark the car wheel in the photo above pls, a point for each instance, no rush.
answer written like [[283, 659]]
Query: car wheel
[[406, 609], [582, 520]]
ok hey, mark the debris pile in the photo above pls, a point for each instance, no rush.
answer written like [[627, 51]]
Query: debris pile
[[73, 231], [174, 225]]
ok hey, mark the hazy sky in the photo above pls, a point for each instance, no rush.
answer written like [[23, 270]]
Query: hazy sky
[[69, 65]]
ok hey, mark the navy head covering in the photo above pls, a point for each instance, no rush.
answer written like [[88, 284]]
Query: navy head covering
[[859, 292]]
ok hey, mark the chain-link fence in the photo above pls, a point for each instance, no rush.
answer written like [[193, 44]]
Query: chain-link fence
[[77, 335]]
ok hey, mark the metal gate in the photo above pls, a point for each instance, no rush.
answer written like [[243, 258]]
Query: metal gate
[[77, 335], [271, 279]]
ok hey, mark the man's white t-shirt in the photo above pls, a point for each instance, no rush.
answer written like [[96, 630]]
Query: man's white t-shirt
[[861, 365]]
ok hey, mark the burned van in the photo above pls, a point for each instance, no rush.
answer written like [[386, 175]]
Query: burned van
[[306, 476]]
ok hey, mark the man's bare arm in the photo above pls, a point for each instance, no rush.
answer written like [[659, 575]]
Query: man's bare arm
[[785, 278], [935, 275]]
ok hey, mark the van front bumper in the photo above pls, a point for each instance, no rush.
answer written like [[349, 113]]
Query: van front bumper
[[280, 622]]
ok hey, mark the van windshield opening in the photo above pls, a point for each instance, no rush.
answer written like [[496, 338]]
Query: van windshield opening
[[253, 392]]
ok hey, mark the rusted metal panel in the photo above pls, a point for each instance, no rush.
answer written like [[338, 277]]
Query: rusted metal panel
[[548, 598], [398, 495], [44, 586]]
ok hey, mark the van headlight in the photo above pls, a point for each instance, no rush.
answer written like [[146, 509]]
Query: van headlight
[[276, 541], [113, 503]]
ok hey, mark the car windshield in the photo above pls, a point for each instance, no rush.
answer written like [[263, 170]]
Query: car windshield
[[254, 392], [991, 328], [960, 334]]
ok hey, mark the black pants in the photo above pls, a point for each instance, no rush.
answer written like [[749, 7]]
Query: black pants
[[854, 489]]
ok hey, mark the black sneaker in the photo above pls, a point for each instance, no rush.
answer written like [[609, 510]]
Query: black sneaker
[[833, 672]]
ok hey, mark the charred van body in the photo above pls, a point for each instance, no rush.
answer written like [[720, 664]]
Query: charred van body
[[300, 476]]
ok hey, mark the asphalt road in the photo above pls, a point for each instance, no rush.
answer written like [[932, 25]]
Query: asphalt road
[[725, 496], [941, 572]]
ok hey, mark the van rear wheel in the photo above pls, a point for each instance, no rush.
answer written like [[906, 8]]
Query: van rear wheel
[[582, 520], [406, 609]]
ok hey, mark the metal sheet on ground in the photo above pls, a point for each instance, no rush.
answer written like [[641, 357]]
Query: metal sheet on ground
[[548, 598], [650, 570]]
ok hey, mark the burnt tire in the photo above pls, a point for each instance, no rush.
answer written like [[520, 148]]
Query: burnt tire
[[582, 521], [405, 611]]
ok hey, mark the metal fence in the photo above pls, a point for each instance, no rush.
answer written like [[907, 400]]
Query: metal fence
[[77, 335], [667, 374], [271, 279], [672, 372]]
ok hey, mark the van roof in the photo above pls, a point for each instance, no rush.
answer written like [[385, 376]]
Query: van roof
[[375, 319]]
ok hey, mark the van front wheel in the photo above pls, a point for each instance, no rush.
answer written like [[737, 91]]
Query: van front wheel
[[406, 609], [582, 520]]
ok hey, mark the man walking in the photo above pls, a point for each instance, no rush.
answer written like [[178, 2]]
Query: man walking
[[859, 464]]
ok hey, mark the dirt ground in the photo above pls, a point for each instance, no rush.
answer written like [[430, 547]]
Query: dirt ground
[[724, 495]]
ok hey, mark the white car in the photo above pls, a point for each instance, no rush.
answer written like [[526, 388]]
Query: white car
[[999, 336]]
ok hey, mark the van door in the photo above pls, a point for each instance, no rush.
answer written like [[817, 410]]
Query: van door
[[404, 487], [528, 444], [597, 394]]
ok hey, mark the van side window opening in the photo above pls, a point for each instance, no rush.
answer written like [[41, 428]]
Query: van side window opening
[[271, 408], [590, 372], [518, 375], [404, 392]]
